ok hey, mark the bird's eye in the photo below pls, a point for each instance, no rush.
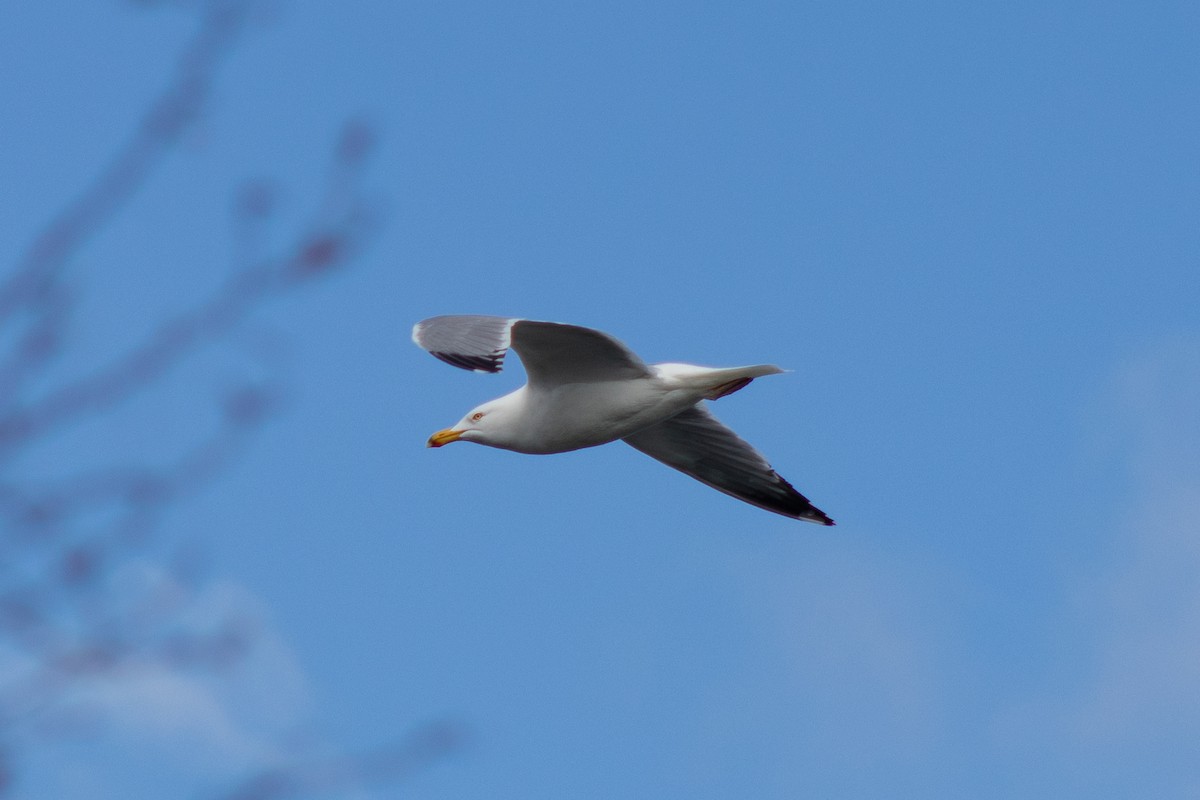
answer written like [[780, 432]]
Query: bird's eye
[[478, 415]]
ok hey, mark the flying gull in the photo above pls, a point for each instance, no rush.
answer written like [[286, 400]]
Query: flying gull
[[586, 388]]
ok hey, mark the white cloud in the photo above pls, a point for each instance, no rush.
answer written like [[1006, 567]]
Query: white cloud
[[151, 725], [834, 682], [845, 620], [881, 685], [1127, 712], [1148, 598]]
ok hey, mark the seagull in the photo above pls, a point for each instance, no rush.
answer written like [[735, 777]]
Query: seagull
[[585, 388]]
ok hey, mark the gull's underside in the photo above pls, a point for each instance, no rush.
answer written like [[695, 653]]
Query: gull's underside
[[597, 370]]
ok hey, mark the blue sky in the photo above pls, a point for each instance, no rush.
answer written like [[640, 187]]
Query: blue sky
[[971, 232]]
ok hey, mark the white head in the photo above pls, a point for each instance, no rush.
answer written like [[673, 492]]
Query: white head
[[490, 424]]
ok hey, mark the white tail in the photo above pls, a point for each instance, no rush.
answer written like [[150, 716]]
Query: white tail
[[715, 383]]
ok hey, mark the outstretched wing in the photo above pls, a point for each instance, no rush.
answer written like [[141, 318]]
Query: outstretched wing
[[471, 342], [553, 353], [697, 444]]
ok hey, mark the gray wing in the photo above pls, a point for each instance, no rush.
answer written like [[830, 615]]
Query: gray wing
[[471, 342], [552, 352], [697, 444]]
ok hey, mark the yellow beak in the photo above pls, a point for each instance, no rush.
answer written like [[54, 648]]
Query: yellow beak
[[443, 437]]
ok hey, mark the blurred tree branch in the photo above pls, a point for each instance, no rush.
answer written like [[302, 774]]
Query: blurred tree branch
[[62, 536]]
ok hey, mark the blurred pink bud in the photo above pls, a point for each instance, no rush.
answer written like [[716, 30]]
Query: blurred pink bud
[[78, 566], [318, 255], [247, 405], [357, 142], [257, 200]]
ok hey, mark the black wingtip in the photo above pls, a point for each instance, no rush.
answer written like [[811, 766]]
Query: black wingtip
[[798, 506], [489, 363], [814, 514]]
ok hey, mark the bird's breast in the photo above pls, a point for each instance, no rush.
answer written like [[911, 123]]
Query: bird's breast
[[577, 415]]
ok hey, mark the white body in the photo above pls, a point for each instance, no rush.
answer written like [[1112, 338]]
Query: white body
[[541, 422]]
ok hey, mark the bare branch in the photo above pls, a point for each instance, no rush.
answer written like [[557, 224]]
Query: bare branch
[[167, 117], [63, 538]]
